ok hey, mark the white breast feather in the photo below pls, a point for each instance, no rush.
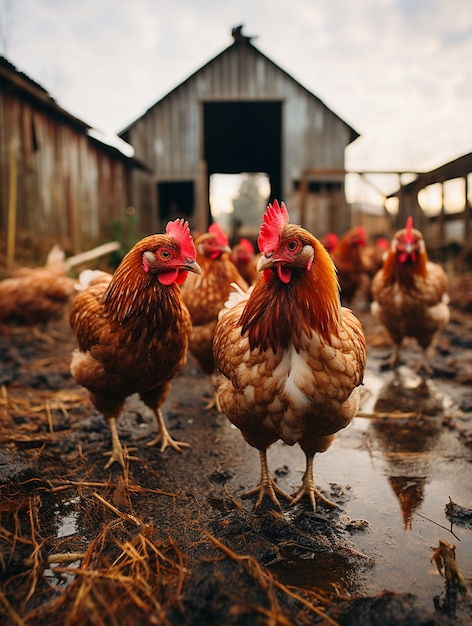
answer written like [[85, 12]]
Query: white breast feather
[[236, 296], [298, 374]]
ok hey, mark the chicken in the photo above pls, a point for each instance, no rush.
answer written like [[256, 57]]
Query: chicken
[[205, 295], [35, 296], [347, 257], [410, 295], [245, 259], [290, 358], [133, 330], [373, 256], [330, 241]]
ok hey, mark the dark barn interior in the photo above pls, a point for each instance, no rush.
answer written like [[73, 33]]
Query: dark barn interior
[[244, 137]]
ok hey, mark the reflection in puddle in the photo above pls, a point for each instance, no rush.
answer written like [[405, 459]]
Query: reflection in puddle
[[409, 465], [405, 427], [408, 394], [67, 527], [410, 493]]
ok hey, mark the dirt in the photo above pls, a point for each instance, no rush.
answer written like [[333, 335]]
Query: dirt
[[171, 541]]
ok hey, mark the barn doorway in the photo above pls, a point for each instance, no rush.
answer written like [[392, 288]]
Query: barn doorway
[[244, 137], [176, 199]]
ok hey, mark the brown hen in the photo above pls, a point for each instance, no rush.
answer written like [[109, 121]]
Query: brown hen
[[290, 358], [133, 330], [206, 294], [348, 259], [245, 258], [36, 295], [410, 295]]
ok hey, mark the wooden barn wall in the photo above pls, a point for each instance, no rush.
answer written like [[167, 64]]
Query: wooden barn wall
[[168, 138], [68, 190]]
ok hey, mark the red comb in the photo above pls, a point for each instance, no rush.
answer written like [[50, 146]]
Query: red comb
[[221, 236], [246, 244], [409, 228], [180, 231], [275, 218]]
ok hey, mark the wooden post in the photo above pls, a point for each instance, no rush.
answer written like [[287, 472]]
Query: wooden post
[[303, 197], [12, 194], [201, 213], [467, 209]]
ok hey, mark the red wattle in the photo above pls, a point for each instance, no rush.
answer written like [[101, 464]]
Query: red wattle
[[181, 277], [169, 277]]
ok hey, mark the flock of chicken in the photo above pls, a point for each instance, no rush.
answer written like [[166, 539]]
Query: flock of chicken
[[286, 357]]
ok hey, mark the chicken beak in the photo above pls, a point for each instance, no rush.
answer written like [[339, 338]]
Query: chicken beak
[[192, 266], [265, 262]]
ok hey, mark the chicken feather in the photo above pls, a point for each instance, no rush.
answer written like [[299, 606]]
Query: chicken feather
[[290, 358], [205, 295], [34, 296], [133, 329], [410, 295]]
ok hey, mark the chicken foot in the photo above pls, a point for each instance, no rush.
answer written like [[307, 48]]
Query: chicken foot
[[117, 454], [214, 402], [267, 486], [308, 488], [163, 436], [423, 362], [393, 359]]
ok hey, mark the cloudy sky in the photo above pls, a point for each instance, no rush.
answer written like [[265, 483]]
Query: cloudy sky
[[398, 71]]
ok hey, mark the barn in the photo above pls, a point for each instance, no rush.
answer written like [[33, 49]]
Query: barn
[[58, 183], [238, 113]]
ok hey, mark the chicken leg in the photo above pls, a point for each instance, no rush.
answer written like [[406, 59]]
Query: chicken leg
[[393, 359], [267, 486], [163, 436], [117, 454], [308, 488], [423, 362]]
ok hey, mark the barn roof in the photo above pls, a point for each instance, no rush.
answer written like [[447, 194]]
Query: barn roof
[[15, 81], [241, 40], [21, 83]]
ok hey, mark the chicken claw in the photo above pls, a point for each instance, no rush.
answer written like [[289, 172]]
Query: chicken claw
[[308, 488], [164, 438], [267, 486], [117, 454]]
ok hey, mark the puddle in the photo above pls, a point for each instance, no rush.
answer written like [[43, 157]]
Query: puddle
[[66, 527], [398, 467]]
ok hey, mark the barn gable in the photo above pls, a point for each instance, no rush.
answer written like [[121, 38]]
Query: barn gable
[[240, 112]]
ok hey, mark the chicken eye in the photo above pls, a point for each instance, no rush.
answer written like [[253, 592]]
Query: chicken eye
[[165, 254], [292, 245]]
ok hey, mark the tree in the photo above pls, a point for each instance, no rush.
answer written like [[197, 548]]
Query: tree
[[249, 204]]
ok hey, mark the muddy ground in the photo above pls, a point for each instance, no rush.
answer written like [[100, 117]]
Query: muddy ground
[[170, 540]]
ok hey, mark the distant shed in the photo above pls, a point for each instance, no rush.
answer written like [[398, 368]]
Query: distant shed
[[57, 183], [241, 112]]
